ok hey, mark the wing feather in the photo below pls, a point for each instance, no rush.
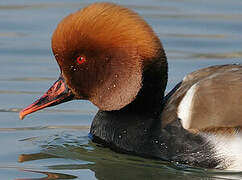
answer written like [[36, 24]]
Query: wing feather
[[215, 103]]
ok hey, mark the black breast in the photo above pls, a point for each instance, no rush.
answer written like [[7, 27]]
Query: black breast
[[141, 134]]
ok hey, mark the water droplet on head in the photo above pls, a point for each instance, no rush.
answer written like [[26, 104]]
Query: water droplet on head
[[163, 145], [119, 136], [114, 85], [155, 141]]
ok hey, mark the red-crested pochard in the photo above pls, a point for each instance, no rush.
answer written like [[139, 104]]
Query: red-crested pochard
[[110, 56]]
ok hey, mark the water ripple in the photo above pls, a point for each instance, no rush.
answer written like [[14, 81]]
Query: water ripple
[[227, 55], [193, 36], [178, 54], [81, 111], [12, 34], [41, 5], [18, 92], [210, 17], [76, 127], [28, 79]]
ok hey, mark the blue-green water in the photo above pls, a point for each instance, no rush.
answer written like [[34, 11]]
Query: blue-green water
[[53, 143]]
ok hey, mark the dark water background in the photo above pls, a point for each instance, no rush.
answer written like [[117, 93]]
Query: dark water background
[[53, 143]]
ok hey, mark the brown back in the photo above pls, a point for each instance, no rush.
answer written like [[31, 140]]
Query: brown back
[[217, 102]]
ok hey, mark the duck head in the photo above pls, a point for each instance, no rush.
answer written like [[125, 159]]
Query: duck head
[[103, 51]]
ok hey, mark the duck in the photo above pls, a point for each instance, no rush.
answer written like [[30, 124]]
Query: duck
[[109, 55]]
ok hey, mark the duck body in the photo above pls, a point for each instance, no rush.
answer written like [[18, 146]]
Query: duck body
[[110, 56], [135, 135]]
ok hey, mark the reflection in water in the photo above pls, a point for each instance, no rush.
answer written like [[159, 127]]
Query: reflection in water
[[109, 165], [49, 175], [36, 156]]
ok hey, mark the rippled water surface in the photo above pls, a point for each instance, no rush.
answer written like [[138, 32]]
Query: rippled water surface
[[53, 143]]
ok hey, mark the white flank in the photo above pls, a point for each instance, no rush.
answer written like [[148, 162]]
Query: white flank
[[184, 110], [228, 149]]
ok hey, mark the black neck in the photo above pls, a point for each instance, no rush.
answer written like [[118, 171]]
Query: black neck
[[149, 98]]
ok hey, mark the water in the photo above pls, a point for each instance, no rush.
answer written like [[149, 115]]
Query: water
[[53, 143]]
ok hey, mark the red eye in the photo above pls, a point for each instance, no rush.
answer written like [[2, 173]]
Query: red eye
[[80, 60]]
